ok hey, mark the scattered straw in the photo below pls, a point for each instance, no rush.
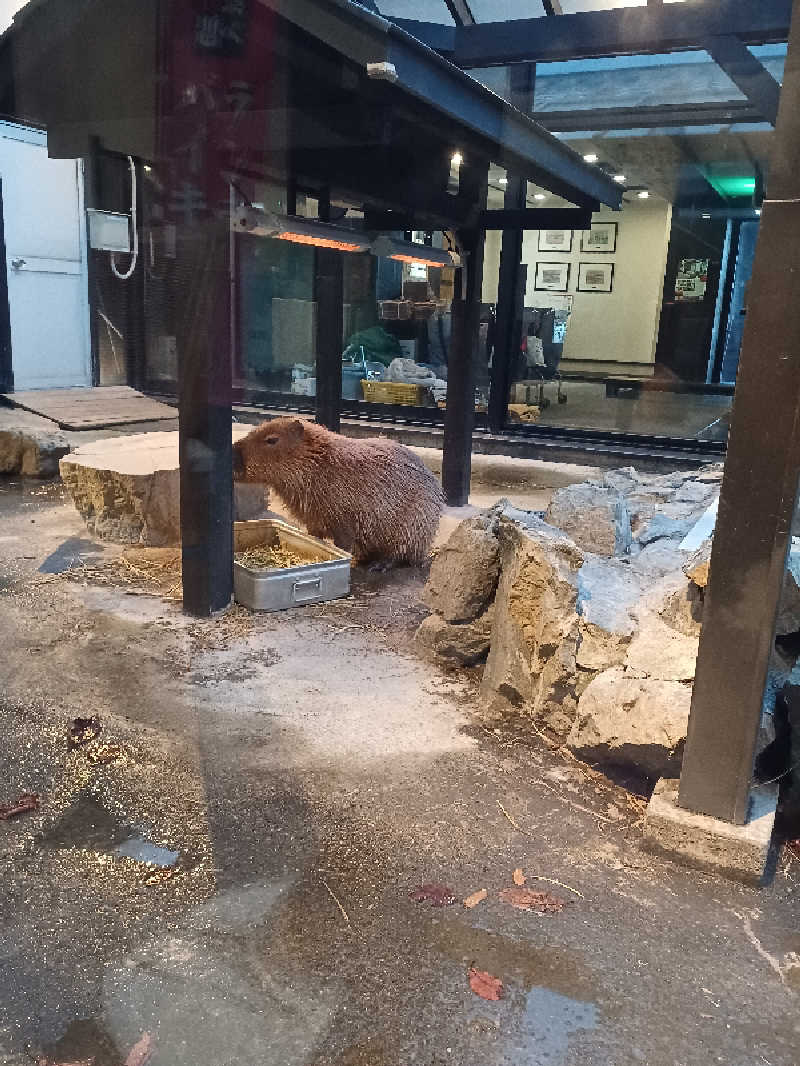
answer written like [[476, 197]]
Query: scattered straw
[[335, 899]]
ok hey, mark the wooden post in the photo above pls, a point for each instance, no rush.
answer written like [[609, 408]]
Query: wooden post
[[758, 496], [204, 407], [465, 326], [328, 294], [329, 298], [510, 300]]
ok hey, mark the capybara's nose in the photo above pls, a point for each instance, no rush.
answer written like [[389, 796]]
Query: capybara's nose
[[238, 462]]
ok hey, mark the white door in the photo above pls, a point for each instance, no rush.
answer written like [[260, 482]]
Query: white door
[[45, 242]]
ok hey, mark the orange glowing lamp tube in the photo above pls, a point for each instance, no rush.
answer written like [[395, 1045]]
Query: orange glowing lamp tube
[[298, 230]]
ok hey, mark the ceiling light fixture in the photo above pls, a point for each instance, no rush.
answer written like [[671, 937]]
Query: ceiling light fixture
[[644, 195], [705, 216], [298, 230], [503, 181], [758, 211], [539, 196], [591, 158], [620, 178]]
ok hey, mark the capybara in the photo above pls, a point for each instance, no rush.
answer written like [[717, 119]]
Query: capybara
[[373, 498]]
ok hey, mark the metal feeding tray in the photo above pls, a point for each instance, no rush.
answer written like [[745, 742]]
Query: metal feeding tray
[[288, 586]]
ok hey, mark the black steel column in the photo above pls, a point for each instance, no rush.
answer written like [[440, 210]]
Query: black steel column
[[329, 298], [510, 298], [758, 496], [204, 399], [328, 294], [465, 327]]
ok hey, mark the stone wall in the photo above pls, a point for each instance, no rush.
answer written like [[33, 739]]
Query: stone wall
[[588, 617]]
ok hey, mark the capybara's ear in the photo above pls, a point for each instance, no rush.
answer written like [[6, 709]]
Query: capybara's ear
[[296, 431]]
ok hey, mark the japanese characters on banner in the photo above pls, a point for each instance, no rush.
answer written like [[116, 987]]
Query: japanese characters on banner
[[217, 89]]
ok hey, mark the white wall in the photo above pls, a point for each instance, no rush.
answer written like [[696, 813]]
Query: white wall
[[8, 8], [607, 332]]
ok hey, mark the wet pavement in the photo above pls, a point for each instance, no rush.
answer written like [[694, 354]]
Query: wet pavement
[[225, 868]]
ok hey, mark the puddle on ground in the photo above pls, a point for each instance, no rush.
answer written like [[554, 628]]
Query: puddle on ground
[[88, 824], [551, 1019], [85, 1042], [143, 851]]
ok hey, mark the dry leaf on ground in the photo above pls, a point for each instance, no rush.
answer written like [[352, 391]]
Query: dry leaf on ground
[[476, 898], [484, 985], [518, 876], [142, 1051], [28, 801], [526, 900], [438, 895]]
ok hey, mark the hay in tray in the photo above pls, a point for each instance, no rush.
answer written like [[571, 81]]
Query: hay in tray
[[274, 557]]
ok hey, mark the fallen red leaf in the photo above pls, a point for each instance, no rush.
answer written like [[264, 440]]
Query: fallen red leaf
[[28, 801], [142, 1051], [484, 985], [518, 877], [438, 895], [526, 900]]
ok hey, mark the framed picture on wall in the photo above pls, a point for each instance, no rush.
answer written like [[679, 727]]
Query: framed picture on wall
[[555, 240], [595, 277], [552, 277], [601, 237]]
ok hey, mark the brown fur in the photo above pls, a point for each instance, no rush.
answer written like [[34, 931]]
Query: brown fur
[[372, 497]]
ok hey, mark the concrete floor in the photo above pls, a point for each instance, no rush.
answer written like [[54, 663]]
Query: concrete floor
[[311, 770]]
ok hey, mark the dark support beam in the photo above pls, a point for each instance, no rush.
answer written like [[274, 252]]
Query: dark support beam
[[459, 9], [459, 416], [329, 298], [522, 218], [747, 73], [510, 283], [655, 28], [758, 496], [203, 311]]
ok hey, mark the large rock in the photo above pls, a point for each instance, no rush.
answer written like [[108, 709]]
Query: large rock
[[638, 724], [608, 589], [29, 445], [534, 638], [464, 644], [464, 574], [789, 612], [127, 489], [595, 517], [662, 527], [660, 652]]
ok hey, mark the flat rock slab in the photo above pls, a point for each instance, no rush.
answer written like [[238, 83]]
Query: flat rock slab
[[738, 851], [29, 445], [127, 489], [109, 405]]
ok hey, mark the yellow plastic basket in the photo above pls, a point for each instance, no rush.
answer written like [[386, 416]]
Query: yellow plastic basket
[[395, 392]]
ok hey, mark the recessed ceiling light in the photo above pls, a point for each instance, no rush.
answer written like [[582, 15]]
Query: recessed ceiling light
[[504, 181], [590, 158], [620, 178], [456, 159], [644, 195], [539, 196], [705, 216]]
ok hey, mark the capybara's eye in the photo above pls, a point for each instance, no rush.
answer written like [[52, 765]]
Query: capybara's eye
[[271, 440]]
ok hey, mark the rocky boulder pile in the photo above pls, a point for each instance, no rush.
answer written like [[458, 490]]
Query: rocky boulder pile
[[588, 617]]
